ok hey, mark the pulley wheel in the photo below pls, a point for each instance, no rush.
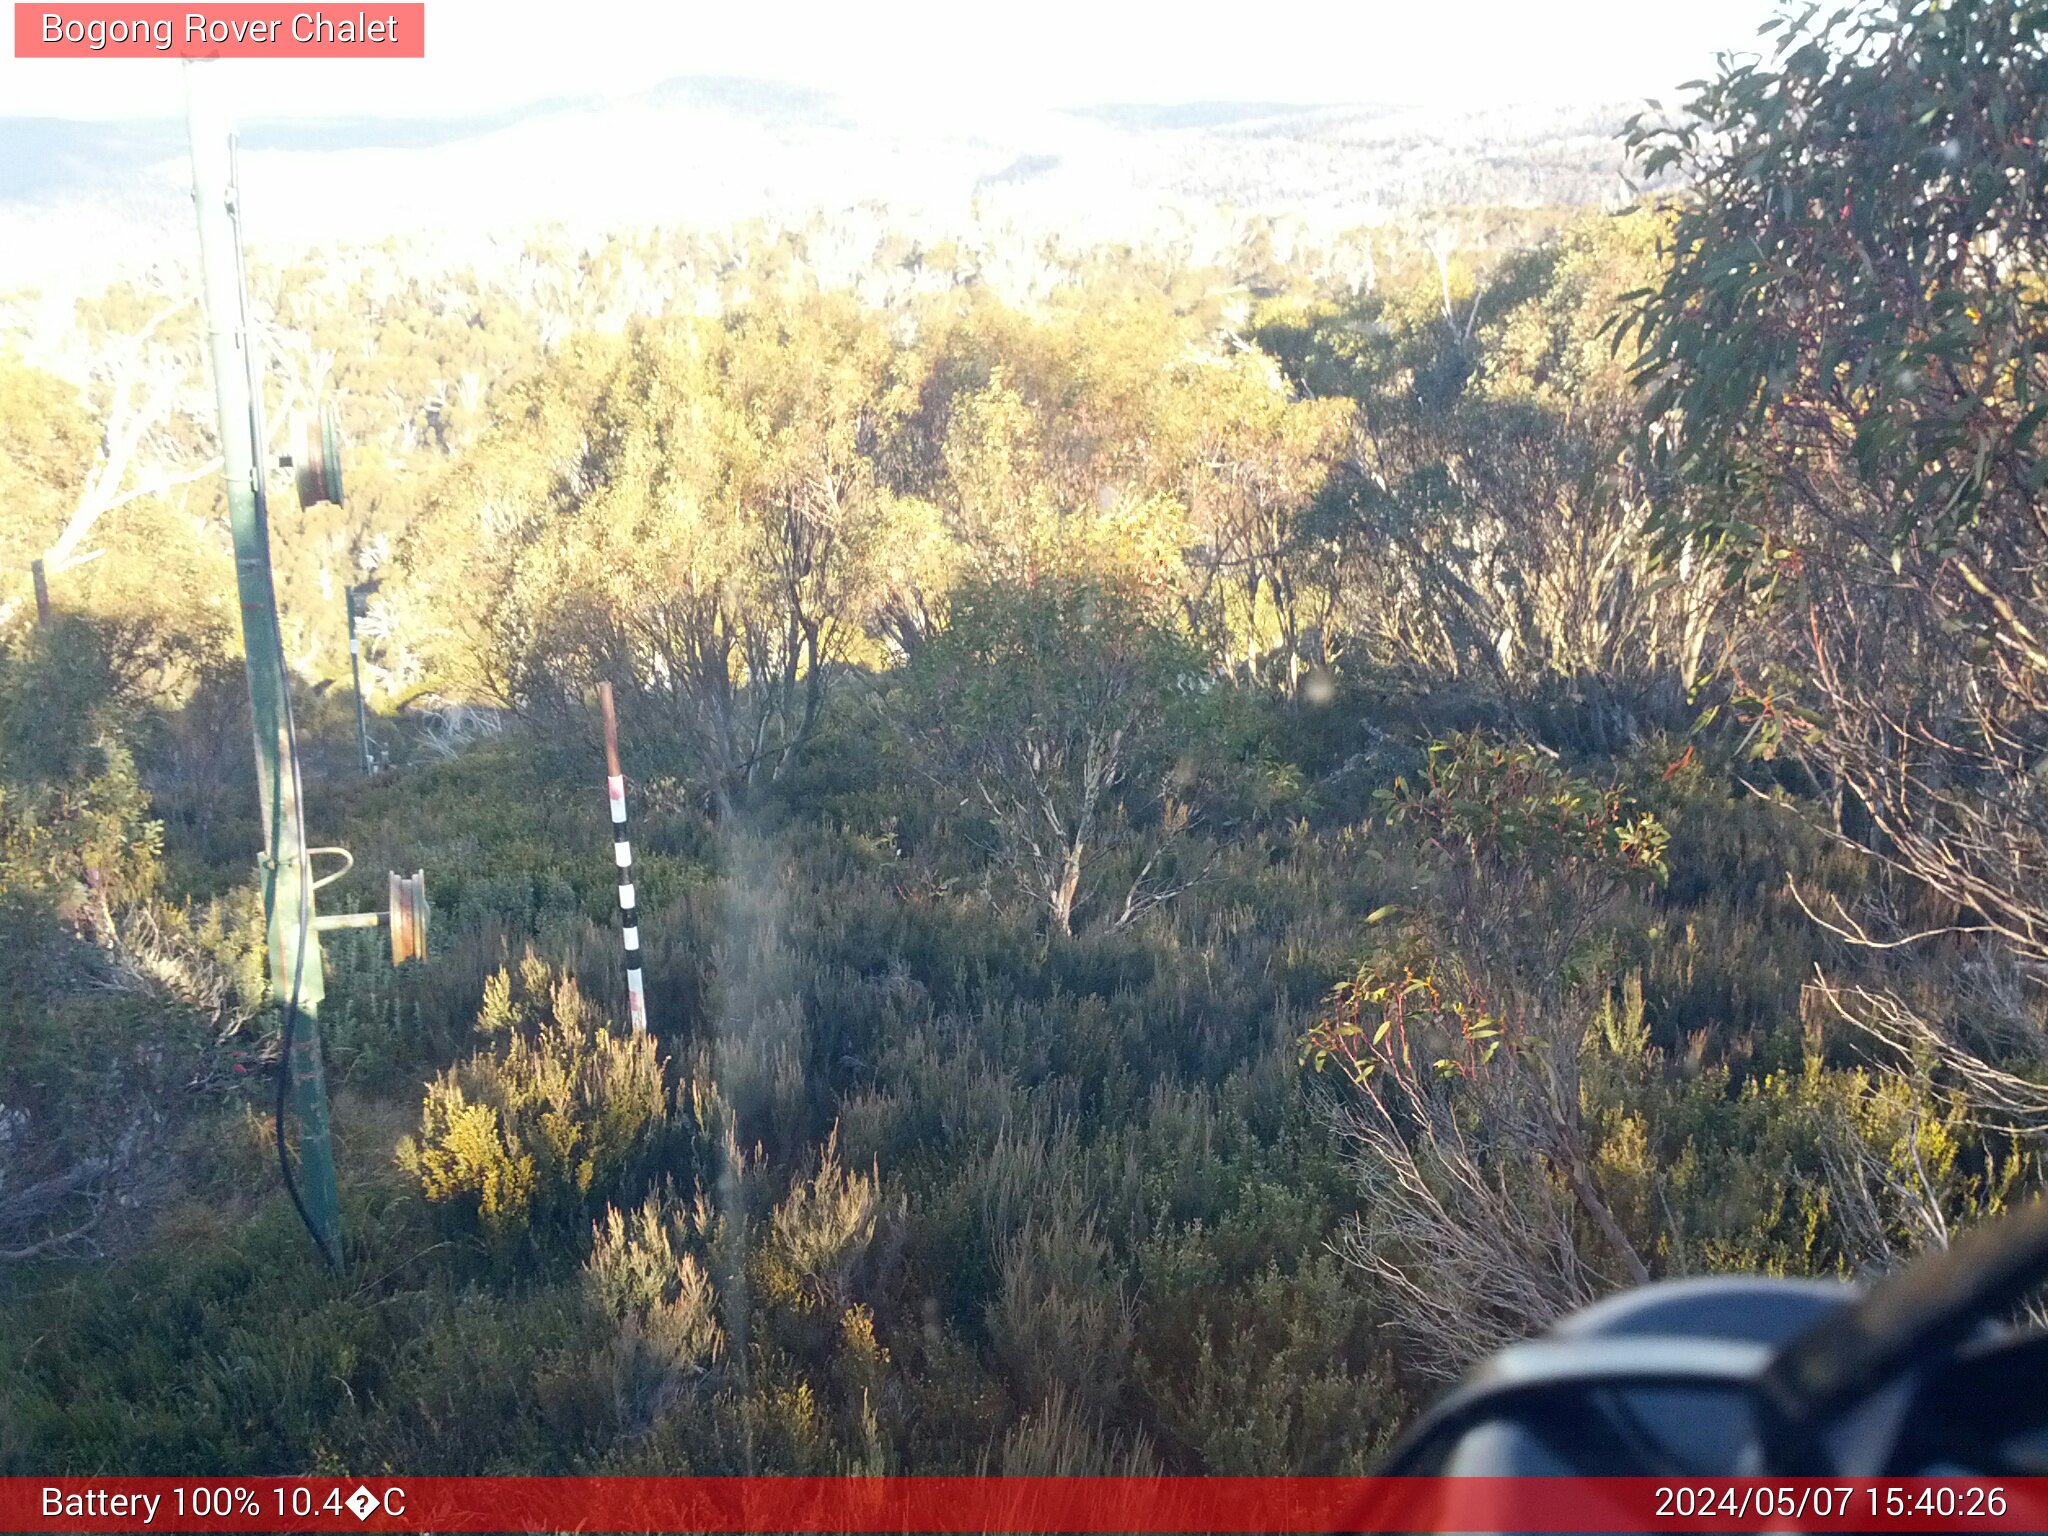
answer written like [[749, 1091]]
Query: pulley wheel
[[408, 917], [316, 456]]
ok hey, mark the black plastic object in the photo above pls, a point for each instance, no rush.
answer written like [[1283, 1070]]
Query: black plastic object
[[1749, 1376]]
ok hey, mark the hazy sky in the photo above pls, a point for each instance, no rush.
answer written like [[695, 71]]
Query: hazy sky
[[487, 53]]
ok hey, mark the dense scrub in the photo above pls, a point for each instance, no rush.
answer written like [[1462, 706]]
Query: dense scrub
[[903, 1183]]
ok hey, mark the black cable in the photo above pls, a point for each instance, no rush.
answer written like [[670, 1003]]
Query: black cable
[[291, 728], [284, 1080], [291, 1012]]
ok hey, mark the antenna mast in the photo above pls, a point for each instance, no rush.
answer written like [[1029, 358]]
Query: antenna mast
[[296, 978]]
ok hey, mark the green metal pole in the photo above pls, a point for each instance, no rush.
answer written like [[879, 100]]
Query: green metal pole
[[355, 671], [296, 981]]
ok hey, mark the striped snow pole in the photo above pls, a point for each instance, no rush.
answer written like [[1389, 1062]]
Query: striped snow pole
[[622, 851]]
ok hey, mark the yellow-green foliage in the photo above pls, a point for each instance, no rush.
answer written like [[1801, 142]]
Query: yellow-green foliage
[[47, 443], [820, 1233], [548, 1116], [1810, 1171], [644, 1269]]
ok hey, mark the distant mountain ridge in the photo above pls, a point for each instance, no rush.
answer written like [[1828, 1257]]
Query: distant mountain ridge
[[713, 149]]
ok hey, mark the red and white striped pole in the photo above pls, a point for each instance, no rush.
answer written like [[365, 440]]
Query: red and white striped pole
[[622, 851]]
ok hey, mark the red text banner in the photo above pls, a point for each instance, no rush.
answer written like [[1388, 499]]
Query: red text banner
[[977, 1504], [238, 31]]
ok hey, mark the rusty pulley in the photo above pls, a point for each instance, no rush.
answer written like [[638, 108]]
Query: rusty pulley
[[408, 917], [316, 456], [405, 914]]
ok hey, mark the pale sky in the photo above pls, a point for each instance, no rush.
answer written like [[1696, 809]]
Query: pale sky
[[483, 54]]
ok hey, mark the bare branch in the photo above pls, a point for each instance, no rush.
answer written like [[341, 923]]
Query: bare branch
[[1853, 932]]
